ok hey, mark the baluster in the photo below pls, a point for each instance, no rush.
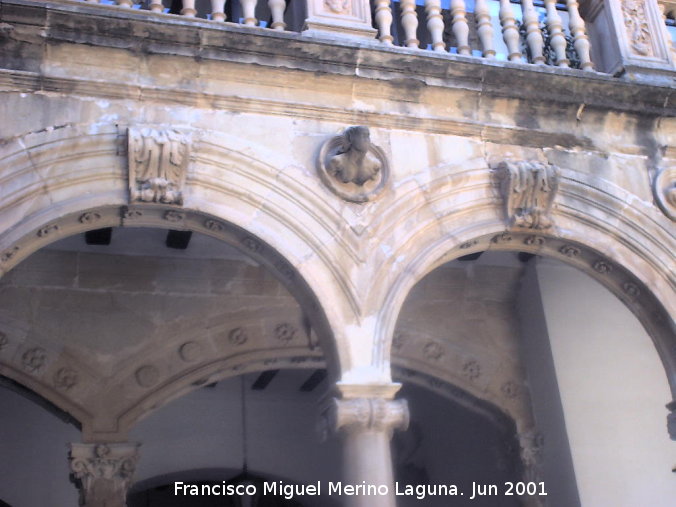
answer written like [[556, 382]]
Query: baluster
[[533, 33], [384, 21], [580, 40], [124, 3], [277, 8], [409, 20], [510, 33], [156, 6], [460, 28], [218, 10], [484, 28], [557, 39], [189, 10], [248, 10], [435, 24]]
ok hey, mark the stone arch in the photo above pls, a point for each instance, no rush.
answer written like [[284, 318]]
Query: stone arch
[[60, 182], [600, 228]]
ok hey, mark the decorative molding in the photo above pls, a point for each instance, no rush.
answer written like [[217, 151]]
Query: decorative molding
[[147, 376], [510, 389], [602, 267], [369, 414], [47, 230], [528, 189], [8, 254], [504, 237], [34, 359], [103, 472], [158, 160], [664, 187], [285, 332], [471, 369], [237, 336], [637, 26], [252, 244], [433, 351], [89, 218], [570, 251], [190, 351], [352, 167], [214, 225], [174, 216], [66, 378]]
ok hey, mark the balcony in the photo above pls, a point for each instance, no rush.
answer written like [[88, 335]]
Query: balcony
[[632, 37]]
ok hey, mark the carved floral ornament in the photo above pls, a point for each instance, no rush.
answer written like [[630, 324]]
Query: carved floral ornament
[[636, 24], [338, 6], [665, 191], [528, 189], [104, 471], [158, 159], [352, 166]]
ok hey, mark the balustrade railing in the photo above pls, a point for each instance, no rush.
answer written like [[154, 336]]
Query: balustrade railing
[[540, 32]]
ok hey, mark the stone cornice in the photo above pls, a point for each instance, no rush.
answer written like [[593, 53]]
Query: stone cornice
[[43, 23]]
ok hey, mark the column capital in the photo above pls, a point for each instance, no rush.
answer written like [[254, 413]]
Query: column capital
[[369, 414], [103, 472]]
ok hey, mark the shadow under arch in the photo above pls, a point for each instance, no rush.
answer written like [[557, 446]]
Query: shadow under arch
[[41, 381], [620, 281]]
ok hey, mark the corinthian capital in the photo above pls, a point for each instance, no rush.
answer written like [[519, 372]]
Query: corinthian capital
[[369, 414], [103, 472]]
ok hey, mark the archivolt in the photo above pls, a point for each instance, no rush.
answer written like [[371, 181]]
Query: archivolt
[[599, 228]]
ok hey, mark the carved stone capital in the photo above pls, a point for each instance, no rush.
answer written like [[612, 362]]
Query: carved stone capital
[[103, 472], [158, 159], [528, 189], [532, 445], [664, 187], [369, 414]]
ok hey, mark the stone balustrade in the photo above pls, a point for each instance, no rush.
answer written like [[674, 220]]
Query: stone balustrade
[[611, 36]]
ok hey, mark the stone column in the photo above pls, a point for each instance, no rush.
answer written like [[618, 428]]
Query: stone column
[[366, 417], [103, 472], [629, 37]]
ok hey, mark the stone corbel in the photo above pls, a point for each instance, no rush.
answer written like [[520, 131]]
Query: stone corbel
[[158, 160], [528, 189], [103, 472]]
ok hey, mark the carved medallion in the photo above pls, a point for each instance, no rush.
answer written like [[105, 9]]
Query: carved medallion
[[90, 217], [65, 378], [7, 255], [352, 166], [569, 250], [471, 369], [190, 351], [34, 359], [528, 189], [664, 187], [285, 332], [433, 351], [147, 376], [47, 230], [636, 23], [158, 159], [238, 336]]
